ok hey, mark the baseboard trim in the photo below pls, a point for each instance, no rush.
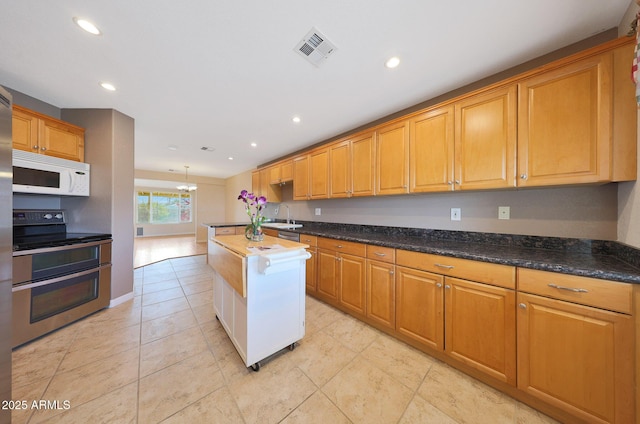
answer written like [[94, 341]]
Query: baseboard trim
[[120, 300]]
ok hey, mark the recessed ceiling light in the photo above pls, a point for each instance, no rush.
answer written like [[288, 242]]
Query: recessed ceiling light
[[254, 144], [392, 62], [296, 119], [108, 86], [230, 158], [172, 147], [87, 26]]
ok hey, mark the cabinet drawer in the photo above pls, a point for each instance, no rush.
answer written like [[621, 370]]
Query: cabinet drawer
[[224, 231], [383, 254], [603, 294], [312, 241], [357, 249], [483, 272]]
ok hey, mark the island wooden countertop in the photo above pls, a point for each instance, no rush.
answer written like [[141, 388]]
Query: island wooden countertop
[[243, 247]]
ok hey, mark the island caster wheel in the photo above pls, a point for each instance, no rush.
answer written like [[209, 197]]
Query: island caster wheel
[[292, 346], [256, 367]]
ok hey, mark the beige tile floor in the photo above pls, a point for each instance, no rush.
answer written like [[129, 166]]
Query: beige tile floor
[[163, 357]]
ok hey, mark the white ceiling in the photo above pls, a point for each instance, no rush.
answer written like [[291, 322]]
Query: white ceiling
[[223, 73]]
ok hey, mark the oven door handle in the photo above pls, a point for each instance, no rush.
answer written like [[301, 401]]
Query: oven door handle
[[26, 286]]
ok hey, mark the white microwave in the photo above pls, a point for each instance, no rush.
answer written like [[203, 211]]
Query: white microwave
[[42, 174]]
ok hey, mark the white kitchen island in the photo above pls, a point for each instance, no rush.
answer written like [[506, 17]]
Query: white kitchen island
[[259, 293]]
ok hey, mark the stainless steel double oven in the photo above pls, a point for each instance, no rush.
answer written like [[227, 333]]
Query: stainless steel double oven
[[58, 277]]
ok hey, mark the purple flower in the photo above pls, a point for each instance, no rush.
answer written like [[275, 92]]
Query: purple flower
[[251, 200]]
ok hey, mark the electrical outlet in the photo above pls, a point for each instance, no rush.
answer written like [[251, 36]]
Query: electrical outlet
[[504, 212], [318, 211], [456, 214]]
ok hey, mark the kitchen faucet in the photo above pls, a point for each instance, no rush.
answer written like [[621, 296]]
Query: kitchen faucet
[[288, 213]]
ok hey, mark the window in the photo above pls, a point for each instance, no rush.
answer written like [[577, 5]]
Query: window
[[163, 208]]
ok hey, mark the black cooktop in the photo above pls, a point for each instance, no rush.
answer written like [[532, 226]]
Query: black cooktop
[[37, 229], [55, 240]]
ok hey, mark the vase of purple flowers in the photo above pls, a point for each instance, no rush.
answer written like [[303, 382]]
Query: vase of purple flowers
[[254, 206]]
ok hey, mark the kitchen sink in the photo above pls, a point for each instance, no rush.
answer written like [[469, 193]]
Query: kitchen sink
[[281, 225]]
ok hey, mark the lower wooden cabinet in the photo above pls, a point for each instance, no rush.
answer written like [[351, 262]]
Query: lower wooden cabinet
[[312, 262], [381, 293], [342, 274], [562, 343], [327, 283], [420, 306], [480, 327], [577, 358]]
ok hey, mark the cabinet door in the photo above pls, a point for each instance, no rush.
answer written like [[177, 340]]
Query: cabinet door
[[362, 165], [564, 125], [319, 174], [419, 306], [61, 140], [485, 140], [275, 174], [327, 282], [577, 358], [480, 327], [392, 159], [286, 171], [352, 277], [381, 293], [311, 270], [340, 165], [24, 131], [431, 151], [301, 178], [273, 193]]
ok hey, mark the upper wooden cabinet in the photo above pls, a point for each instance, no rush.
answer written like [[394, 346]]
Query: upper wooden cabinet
[[319, 174], [281, 172], [351, 164], [301, 178], [565, 124], [392, 158], [431, 150], [37, 133], [485, 140], [577, 123], [261, 187]]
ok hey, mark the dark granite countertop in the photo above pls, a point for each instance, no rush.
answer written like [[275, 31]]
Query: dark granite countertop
[[590, 258], [223, 224]]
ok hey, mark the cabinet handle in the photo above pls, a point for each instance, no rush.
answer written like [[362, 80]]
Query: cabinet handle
[[439, 285], [444, 266], [379, 254], [43, 148], [391, 272], [571, 289], [458, 182], [338, 246], [522, 306], [447, 286], [450, 182], [338, 259], [523, 176], [36, 147]]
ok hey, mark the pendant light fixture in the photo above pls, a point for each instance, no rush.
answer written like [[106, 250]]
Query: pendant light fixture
[[186, 187]]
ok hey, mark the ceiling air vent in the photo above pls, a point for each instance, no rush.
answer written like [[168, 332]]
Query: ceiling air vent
[[315, 47]]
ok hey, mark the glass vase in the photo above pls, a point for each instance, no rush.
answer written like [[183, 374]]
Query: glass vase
[[254, 232]]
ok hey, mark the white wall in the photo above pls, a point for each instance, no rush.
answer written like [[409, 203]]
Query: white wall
[[628, 193], [234, 209]]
